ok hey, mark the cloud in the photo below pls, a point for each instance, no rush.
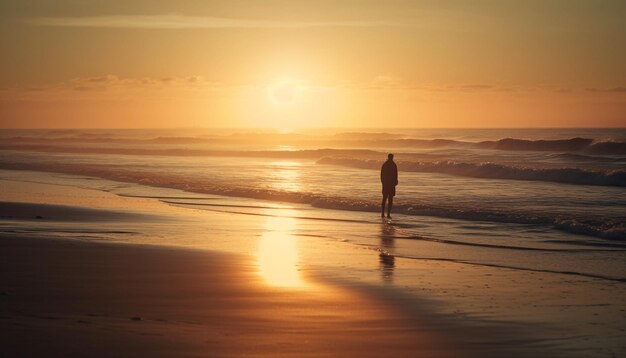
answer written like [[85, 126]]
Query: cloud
[[390, 82], [477, 87], [111, 81], [191, 22], [386, 81], [107, 78], [618, 89], [83, 88], [113, 87]]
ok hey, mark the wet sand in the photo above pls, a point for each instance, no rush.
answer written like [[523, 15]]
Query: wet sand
[[70, 298], [93, 295]]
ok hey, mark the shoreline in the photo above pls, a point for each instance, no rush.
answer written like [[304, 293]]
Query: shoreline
[[593, 225]]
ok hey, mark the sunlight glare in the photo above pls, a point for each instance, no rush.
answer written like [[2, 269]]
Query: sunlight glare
[[286, 175], [278, 252], [285, 92]]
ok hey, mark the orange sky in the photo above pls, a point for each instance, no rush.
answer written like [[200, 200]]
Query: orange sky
[[286, 64]]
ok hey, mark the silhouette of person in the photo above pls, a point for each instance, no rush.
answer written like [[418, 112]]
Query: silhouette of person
[[389, 179]]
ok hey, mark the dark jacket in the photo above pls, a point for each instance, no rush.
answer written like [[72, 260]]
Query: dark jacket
[[389, 173]]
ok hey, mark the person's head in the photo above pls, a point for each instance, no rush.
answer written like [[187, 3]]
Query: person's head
[[389, 156]]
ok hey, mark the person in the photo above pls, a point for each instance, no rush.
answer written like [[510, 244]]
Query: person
[[389, 179]]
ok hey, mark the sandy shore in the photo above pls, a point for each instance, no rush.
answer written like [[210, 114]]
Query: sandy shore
[[69, 298], [75, 298], [80, 275]]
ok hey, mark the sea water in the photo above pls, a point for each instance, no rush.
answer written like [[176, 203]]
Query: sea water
[[549, 200]]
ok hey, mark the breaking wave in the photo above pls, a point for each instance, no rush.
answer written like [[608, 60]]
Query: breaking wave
[[293, 154], [614, 229], [575, 157], [560, 145], [573, 145], [416, 162], [494, 171]]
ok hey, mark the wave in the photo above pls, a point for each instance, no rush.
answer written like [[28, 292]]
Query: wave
[[614, 229], [364, 159], [413, 143], [301, 153], [509, 144], [607, 148], [572, 145], [340, 140], [494, 171], [292, 154], [559, 145], [575, 157]]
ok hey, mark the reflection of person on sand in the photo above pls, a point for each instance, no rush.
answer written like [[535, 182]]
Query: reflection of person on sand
[[386, 259], [389, 179]]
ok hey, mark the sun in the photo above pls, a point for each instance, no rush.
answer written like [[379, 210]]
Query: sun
[[285, 92]]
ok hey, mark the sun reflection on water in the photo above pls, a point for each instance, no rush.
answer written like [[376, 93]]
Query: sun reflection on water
[[286, 175], [278, 252]]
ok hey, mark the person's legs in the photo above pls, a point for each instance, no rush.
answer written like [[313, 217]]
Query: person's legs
[[389, 206], [382, 209]]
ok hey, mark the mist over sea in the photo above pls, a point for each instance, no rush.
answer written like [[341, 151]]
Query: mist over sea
[[555, 191]]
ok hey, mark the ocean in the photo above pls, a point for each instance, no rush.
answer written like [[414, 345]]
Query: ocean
[[548, 200]]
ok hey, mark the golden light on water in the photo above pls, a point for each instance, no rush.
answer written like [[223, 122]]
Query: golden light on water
[[286, 175], [278, 252]]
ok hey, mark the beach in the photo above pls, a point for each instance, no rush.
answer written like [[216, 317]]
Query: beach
[[313, 179], [77, 298], [66, 298], [86, 272]]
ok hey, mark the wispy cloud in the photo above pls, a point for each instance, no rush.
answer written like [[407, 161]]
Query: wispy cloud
[[620, 89], [191, 22], [116, 87]]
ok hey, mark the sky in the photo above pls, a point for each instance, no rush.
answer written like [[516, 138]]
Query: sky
[[302, 64]]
